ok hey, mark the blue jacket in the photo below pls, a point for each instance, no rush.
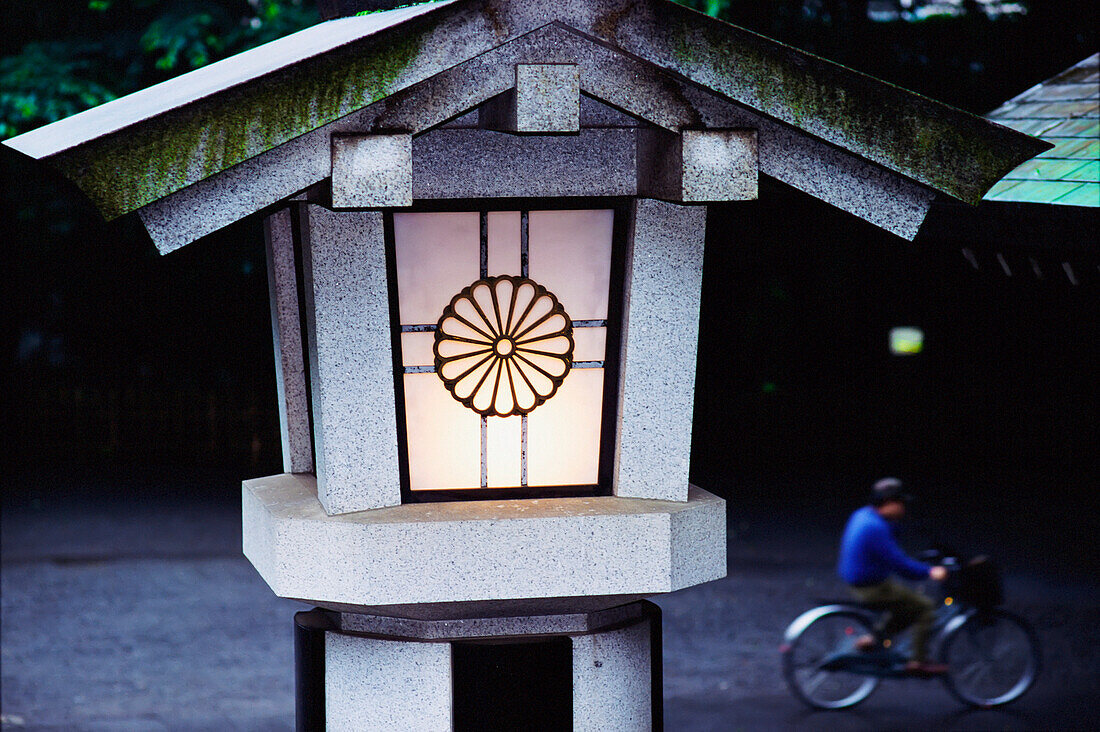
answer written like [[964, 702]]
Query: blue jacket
[[869, 553]]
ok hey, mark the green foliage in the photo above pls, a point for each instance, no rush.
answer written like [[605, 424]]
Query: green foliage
[[47, 82], [273, 19], [132, 44], [189, 34]]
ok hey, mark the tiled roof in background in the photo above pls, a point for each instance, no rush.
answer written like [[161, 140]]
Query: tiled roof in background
[[1065, 111]]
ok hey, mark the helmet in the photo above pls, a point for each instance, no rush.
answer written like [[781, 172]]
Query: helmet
[[889, 489]]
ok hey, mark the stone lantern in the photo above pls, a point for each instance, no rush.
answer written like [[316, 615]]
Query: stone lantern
[[485, 225]]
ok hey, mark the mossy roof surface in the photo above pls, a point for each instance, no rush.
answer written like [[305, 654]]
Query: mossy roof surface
[[138, 149], [144, 146], [1064, 111], [210, 80]]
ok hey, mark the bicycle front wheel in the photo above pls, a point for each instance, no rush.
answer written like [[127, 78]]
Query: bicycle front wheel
[[993, 658], [808, 649]]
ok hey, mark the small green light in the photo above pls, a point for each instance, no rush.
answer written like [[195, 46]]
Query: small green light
[[768, 387], [906, 341]]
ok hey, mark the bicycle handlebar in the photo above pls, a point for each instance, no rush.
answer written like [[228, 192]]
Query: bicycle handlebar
[[945, 557]]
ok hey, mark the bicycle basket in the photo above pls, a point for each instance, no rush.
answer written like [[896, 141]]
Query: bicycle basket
[[979, 583]]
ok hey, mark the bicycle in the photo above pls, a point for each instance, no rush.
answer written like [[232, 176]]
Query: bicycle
[[992, 655]]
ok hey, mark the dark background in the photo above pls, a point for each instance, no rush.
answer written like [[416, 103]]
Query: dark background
[[800, 404], [123, 363]]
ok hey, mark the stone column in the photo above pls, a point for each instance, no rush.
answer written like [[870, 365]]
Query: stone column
[[351, 360], [664, 276], [290, 362]]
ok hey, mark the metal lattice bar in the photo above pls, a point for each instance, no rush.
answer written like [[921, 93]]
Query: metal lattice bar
[[432, 327], [484, 244], [431, 369], [484, 451], [523, 450], [523, 247]]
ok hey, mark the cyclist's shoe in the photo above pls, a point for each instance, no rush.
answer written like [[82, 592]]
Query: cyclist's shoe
[[925, 669], [867, 643]]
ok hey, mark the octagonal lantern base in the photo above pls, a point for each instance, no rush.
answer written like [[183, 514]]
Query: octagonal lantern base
[[479, 558]]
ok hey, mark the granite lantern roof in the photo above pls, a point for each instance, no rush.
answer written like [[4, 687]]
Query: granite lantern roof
[[1064, 111], [200, 151]]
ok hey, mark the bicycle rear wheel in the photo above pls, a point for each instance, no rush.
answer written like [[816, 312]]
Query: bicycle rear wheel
[[993, 658], [811, 642]]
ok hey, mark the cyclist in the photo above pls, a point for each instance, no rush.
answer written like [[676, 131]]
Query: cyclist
[[869, 555]]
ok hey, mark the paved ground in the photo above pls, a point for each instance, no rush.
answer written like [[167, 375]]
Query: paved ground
[[127, 606]]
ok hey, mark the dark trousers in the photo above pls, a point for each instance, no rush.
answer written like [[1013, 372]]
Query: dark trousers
[[903, 607]]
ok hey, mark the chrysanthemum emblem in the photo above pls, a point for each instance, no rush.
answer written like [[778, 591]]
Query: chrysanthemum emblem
[[503, 346]]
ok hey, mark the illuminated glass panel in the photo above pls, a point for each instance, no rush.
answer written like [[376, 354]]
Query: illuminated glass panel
[[437, 255], [570, 255], [589, 343], [503, 242], [444, 438], [564, 433], [503, 455], [503, 312], [416, 349]]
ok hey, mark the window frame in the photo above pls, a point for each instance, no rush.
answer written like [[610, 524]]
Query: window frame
[[612, 350]]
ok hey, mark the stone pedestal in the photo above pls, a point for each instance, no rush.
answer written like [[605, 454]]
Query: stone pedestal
[[588, 671], [479, 558]]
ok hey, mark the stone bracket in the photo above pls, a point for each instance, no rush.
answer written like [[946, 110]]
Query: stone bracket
[[698, 166], [545, 100], [371, 171]]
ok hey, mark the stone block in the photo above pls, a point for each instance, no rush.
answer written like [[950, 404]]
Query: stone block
[[290, 362], [467, 609], [374, 685], [718, 165], [350, 358], [479, 163], [548, 98], [612, 680], [371, 171], [664, 272], [504, 551], [698, 166]]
